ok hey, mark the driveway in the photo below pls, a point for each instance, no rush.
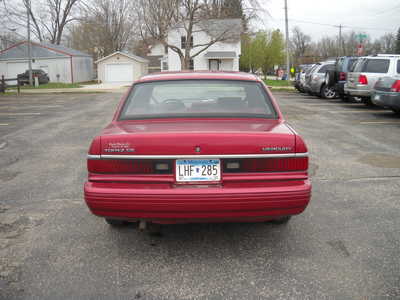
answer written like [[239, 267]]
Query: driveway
[[345, 246]]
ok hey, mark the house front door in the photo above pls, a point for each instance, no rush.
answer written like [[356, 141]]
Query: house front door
[[214, 64]]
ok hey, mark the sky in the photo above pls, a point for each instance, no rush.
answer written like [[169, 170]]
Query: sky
[[373, 17]]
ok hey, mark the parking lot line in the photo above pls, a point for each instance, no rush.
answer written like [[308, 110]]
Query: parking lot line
[[380, 122], [359, 111], [3, 124], [19, 114]]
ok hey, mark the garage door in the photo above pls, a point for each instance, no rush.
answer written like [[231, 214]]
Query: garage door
[[119, 72], [15, 68]]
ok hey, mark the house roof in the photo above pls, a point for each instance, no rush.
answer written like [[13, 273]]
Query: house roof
[[129, 55], [39, 50], [220, 54], [230, 28]]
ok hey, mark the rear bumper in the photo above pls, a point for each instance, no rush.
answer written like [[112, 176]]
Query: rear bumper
[[386, 99], [357, 92], [196, 204]]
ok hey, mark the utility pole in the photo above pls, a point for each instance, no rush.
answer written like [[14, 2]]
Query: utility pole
[[340, 40], [28, 11], [287, 42]]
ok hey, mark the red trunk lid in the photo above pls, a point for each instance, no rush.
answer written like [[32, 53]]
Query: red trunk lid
[[184, 137]]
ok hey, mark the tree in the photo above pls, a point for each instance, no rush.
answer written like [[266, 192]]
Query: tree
[[262, 52], [388, 43], [187, 17], [300, 43], [107, 26], [49, 18], [398, 42]]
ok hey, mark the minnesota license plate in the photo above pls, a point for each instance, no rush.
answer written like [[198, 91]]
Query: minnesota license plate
[[198, 170]]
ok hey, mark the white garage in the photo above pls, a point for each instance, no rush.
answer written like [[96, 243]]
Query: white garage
[[121, 67], [62, 64]]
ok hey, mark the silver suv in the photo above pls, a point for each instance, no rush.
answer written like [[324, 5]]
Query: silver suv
[[315, 80], [367, 71]]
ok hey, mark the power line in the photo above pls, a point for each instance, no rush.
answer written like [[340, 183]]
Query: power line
[[337, 26]]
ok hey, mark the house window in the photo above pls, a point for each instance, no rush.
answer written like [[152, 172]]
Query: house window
[[166, 49], [165, 66], [184, 42], [191, 64]]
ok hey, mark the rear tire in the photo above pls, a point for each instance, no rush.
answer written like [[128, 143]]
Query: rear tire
[[367, 101], [396, 110], [115, 223], [328, 92], [281, 221]]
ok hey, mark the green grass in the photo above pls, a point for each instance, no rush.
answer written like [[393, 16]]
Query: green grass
[[54, 85], [277, 83]]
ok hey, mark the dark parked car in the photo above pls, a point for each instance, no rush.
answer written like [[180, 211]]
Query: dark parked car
[[42, 75], [337, 78]]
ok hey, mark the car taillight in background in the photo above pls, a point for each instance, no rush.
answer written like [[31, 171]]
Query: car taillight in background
[[363, 80], [396, 86], [342, 76]]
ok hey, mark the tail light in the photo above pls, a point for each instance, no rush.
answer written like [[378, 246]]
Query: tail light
[[120, 166], [396, 86], [342, 76], [250, 165], [363, 80]]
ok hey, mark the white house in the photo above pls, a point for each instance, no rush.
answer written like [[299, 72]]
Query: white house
[[121, 67], [62, 64], [223, 55]]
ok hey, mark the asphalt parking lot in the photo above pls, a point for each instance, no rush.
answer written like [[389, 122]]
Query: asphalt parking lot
[[345, 246]]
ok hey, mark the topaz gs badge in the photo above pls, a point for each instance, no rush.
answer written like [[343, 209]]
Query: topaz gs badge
[[119, 148]]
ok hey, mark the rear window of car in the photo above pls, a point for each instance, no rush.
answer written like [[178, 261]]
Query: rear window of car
[[351, 64], [339, 64], [376, 66], [197, 98], [326, 68]]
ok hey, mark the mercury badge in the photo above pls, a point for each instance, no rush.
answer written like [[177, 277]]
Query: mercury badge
[[197, 149], [276, 148]]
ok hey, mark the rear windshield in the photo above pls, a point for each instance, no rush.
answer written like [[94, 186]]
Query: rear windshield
[[197, 98], [373, 66], [351, 64]]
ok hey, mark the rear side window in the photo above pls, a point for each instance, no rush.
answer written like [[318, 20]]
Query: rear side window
[[376, 66], [326, 68]]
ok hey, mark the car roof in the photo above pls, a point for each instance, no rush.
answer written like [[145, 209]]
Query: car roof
[[184, 75]]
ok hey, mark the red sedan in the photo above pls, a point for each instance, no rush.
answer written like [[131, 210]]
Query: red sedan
[[197, 147]]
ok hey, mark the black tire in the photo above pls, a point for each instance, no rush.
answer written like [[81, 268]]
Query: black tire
[[116, 223], [367, 101], [328, 92], [281, 221], [396, 111]]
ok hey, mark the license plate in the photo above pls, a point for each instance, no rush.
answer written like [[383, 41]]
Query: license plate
[[198, 170]]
